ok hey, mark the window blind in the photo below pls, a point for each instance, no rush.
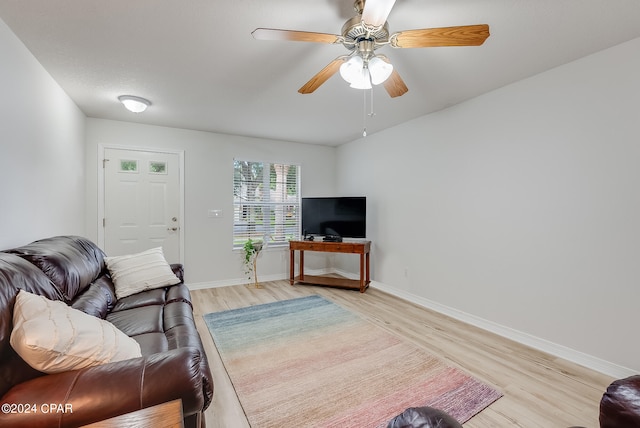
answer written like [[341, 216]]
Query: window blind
[[266, 202]]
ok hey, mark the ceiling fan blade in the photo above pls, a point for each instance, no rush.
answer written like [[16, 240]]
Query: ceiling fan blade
[[467, 35], [395, 86], [375, 12], [295, 36], [322, 76]]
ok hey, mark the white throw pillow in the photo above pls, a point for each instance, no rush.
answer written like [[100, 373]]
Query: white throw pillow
[[53, 337], [134, 273]]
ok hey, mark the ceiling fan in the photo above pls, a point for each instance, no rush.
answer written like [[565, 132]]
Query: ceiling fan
[[366, 32]]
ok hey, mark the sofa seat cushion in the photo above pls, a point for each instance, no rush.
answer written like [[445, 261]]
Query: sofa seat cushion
[[152, 343], [136, 321], [53, 337], [155, 327], [138, 272]]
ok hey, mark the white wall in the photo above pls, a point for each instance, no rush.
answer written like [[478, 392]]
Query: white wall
[[209, 259], [519, 208], [41, 151]]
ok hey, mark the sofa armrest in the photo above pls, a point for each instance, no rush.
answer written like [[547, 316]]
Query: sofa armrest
[[178, 270], [85, 396]]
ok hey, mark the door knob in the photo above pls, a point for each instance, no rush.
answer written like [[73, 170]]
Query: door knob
[[172, 229]]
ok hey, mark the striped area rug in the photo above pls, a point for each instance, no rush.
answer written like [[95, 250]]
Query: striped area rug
[[308, 362]]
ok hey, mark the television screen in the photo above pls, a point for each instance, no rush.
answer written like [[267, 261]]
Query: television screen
[[342, 216]]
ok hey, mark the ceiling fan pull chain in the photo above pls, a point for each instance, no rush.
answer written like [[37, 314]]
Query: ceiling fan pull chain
[[372, 112], [364, 113]]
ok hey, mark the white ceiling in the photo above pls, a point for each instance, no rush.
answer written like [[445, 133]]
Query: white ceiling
[[199, 65]]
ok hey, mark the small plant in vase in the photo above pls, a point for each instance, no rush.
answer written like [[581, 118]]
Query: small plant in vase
[[251, 251]]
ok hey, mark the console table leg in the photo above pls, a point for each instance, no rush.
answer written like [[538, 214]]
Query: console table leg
[[367, 268], [301, 265], [362, 283], [292, 261]]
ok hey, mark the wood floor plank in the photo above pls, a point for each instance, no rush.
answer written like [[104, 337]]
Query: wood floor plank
[[540, 390]]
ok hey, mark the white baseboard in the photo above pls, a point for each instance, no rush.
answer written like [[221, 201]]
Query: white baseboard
[[577, 357], [240, 281], [216, 284], [234, 281]]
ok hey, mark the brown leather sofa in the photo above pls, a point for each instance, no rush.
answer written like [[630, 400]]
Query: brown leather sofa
[[173, 363], [620, 404]]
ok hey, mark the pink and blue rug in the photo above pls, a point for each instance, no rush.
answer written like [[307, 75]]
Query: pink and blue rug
[[309, 362]]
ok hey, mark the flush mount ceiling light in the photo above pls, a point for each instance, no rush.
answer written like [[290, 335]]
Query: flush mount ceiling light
[[134, 104]]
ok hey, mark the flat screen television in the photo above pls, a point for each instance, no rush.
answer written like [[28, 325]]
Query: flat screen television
[[344, 217]]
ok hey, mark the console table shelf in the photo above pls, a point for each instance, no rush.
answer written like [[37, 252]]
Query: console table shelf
[[361, 248]]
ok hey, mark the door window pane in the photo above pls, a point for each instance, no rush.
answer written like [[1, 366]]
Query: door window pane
[[127, 165], [157, 167]]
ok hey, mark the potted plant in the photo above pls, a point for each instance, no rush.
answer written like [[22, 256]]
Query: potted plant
[[251, 251]]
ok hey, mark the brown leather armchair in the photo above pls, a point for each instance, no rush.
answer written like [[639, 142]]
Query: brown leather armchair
[[423, 417], [620, 404]]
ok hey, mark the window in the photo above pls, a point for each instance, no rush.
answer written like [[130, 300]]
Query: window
[[157, 167], [128, 165], [266, 202]]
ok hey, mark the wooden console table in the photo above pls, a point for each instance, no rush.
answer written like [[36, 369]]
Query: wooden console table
[[361, 248], [165, 415]]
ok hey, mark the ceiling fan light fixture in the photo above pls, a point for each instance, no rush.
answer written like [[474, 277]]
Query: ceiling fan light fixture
[[134, 104], [380, 70], [355, 73], [363, 81], [352, 69]]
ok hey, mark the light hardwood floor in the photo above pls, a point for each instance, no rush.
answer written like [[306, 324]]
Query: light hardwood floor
[[539, 390]]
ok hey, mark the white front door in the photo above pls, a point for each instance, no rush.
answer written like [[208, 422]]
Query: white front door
[[142, 202]]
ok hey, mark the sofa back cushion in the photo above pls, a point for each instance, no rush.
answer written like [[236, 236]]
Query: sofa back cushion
[[71, 262], [98, 299], [17, 274]]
